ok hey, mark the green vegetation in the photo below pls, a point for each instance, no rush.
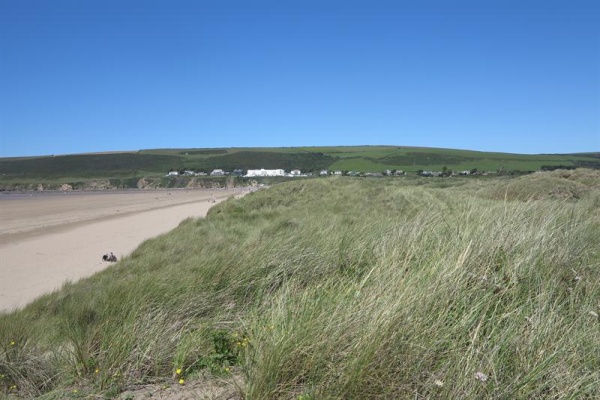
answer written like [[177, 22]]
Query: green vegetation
[[88, 165], [340, 288], [56, 170]]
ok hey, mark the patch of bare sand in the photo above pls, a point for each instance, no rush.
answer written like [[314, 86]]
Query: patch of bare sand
[[199, 389], [27, 213], [46, 240]]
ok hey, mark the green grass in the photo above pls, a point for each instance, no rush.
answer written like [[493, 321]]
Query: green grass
[[341, 288], [156, 162]]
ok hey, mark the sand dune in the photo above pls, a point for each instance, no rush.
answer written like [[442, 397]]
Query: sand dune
[[47, 239]]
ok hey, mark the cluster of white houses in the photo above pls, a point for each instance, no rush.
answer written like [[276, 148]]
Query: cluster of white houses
[[280, 172], [269, 172], [296, 172], [238, 172]]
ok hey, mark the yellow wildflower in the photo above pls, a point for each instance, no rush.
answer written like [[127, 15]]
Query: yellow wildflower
[[178, 371], [181, 381]]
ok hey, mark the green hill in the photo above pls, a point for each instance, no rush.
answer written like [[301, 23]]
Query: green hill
[[337, 288], [156, 163]]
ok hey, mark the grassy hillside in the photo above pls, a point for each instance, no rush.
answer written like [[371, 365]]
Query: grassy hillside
[[337, 289], [154, 163]]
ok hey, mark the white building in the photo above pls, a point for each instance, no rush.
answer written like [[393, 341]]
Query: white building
[[217, 172], [265, 172]]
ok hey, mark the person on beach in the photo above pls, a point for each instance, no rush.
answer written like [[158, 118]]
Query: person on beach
[[109, 257]]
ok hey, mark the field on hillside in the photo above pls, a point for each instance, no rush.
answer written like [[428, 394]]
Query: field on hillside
[[338, 288], [132, 166]]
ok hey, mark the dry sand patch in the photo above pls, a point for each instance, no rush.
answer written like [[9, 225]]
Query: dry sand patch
[[46, 240], [30, 212]]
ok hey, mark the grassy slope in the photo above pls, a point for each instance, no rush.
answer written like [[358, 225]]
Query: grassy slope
[[341, 288], [356, 158]]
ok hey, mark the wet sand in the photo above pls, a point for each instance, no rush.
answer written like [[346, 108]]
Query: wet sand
[[47, 239]]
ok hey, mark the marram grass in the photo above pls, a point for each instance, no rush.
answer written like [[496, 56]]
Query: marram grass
[[339, 289]]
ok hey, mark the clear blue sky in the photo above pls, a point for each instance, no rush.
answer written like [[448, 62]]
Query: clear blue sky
[[518, 76]]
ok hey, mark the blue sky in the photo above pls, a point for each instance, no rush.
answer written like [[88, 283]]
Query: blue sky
[[100, 75]]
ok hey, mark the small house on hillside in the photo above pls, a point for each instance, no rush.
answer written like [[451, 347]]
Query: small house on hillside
[[217, 172]]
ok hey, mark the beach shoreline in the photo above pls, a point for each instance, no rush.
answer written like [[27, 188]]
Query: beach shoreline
[[49, 239]]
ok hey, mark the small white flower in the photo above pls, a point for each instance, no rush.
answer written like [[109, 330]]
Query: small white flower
[[480, 376], [438, 383]]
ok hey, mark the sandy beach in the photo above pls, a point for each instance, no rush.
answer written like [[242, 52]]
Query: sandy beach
[[47, 239]]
